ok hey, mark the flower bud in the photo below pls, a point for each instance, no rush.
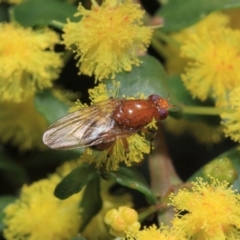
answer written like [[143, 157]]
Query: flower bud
[[121, 220], [221, 169], [128, 214]]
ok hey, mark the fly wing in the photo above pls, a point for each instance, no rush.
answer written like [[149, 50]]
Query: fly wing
[[87, 127]]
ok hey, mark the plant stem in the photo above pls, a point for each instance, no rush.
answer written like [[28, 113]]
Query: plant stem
[[205, 110], [162, 174], [150, 210], [159, 47]]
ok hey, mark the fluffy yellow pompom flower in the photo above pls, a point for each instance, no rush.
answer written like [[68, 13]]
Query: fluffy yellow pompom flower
[[39, 215], [231, 120], [22, 125], [214, 20], [28, 61], [212, 211], [154, 233], [214, 68], [138, 146], [175, 63], [108, 37]]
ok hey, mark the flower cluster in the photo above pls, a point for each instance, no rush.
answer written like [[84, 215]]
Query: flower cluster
[[201, 217], [28, 62], [38, 214], [176, 63], [122, 220], [108, 37], [207, 59], [212, 50], [198, 215], [51, 217], [213, 69]]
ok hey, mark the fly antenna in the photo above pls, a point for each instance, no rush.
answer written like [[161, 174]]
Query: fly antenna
[[172, 106]]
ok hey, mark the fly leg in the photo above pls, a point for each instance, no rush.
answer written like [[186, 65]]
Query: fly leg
[[106, 162], [125, 146], [152, 133], [108, 147], [110, 151]]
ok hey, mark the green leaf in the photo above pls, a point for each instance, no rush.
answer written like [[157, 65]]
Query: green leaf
[[50, 157], [180, 14], [75, 181], [15, 173], [149, 78], [181, 97], [49, 106], [91, 202], [233, 154], [42, 12], [181, 94], [4, 201], [222, 169], [131, 178]]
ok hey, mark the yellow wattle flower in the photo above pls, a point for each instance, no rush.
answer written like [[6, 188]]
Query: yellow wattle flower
[[62, 217], [231, 120], [39, 215], [214, 67], [108, 37], [152, 232], [22, 125], [207, 211], [28, 62], [175, 63], [138, 146]]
